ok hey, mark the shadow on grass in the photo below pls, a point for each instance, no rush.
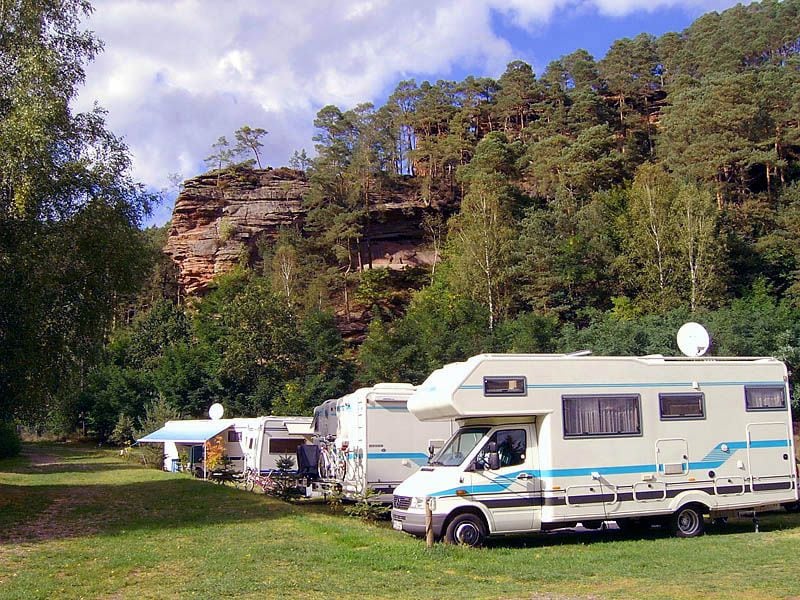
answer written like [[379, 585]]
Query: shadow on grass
[[48, 512], [578, 536]]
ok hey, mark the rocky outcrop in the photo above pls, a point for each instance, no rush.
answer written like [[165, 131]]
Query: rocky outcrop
[[219, 217]]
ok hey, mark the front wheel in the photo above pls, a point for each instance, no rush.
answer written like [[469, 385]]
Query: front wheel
[[466, 529], [688, 522]]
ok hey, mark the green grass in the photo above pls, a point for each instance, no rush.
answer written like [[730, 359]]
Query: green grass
[[90, 525]]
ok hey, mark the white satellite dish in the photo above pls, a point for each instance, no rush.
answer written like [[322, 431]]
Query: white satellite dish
[[693, 339], [216, 411]]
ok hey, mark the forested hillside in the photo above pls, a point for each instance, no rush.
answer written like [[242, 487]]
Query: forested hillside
[[597, 205]]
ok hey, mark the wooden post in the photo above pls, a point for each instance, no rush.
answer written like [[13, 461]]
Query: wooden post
[[428, 524]]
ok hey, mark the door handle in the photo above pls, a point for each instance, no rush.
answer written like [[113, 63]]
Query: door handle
[[524, 476]]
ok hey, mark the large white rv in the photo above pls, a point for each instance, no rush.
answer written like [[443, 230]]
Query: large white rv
[[547, 441], [255, 442], [378, 442]]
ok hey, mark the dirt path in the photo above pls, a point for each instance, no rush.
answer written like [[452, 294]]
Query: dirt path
[[57, 519]]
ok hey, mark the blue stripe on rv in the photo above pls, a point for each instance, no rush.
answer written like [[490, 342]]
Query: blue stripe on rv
[[550, 386], [714, 459]]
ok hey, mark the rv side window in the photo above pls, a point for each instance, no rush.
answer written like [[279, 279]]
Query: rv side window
[[504, 386], [764, 398], [681, 406], [284, 445], [589, 416], [510, 445], [234, 436]]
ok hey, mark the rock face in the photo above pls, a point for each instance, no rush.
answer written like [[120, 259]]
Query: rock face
[[217, 217]]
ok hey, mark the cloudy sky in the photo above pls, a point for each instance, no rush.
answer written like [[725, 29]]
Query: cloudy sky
[[178, 74]]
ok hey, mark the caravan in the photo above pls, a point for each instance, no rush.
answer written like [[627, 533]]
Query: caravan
[[370, 441], [254, 443], [548, 441]]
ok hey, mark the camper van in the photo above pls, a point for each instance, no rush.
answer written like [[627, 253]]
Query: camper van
[[377, 442], [550, 441], [254, 443]]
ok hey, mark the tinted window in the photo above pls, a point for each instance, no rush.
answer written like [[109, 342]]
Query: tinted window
[[284, 446], [510, 445], [764, 398], [681, 406], [504, 386]]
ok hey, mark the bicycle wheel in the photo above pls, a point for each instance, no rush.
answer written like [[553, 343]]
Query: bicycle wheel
[[324, 467], [341, 467]]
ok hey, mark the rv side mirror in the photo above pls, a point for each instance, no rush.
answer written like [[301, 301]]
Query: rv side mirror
[[493, 456]]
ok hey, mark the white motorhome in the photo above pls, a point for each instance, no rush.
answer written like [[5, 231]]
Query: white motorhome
[[547, 441], [380, 442], [249, 442]]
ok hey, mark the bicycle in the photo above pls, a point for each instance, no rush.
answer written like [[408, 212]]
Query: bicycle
[[332, 461], [252, 478]]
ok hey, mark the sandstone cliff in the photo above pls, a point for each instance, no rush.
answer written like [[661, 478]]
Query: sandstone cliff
[[219, 216]]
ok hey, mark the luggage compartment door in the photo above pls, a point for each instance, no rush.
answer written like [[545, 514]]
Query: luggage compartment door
[[672, 456]]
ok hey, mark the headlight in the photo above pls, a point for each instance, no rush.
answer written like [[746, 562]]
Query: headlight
[[418, 503]]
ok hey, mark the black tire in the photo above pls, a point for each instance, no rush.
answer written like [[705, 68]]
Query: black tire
[[466, 529], [688, 521]]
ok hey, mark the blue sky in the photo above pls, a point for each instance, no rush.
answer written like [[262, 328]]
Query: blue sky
[[178, 74]]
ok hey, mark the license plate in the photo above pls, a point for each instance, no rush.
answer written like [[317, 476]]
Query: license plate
[[398, 525]]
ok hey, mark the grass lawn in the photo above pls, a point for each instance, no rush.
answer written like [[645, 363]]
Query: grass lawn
[[81, 523]]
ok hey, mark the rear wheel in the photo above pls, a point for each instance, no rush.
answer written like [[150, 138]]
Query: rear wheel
[[467, 529], [688, 521]]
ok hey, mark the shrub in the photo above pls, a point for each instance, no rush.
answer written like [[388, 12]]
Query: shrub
[[9, 440]]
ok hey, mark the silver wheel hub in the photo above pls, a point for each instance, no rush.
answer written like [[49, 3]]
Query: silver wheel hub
[[467, 533]]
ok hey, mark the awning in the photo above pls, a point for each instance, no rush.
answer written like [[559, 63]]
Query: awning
[[187, 432], [300, 428]]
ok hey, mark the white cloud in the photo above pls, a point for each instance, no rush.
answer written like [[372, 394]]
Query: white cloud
[[178, 74]]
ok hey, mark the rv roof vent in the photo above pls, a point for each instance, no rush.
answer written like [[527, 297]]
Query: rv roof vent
[[393, 386]]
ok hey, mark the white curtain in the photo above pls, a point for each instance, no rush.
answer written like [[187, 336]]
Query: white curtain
[[601, 415]]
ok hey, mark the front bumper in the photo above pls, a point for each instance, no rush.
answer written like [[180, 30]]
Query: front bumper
[[414, 523]]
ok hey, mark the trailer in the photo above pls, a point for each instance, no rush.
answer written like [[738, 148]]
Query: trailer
[[254, 443], [550, 441], [377, 443]]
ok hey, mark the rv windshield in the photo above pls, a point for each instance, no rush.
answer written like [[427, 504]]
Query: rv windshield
[[459, 446]]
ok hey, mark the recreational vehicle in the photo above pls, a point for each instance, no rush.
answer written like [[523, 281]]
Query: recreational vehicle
[[254, 443], [548, 441], [377, 442]]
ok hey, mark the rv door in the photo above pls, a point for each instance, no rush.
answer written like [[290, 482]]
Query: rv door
[[768, 456], [504, 478]]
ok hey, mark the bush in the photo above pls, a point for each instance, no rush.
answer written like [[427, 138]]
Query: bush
[[10, 444]]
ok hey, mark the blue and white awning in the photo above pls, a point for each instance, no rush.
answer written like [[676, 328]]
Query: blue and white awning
[[187, 432]]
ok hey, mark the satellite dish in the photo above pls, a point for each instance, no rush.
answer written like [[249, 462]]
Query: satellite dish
[[216, 411], [693, 339]]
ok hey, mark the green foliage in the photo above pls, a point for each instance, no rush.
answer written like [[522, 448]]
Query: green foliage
[[123, 433], [10, 444], [439, 327], [70, 249], [285, 463], [368, 508]]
